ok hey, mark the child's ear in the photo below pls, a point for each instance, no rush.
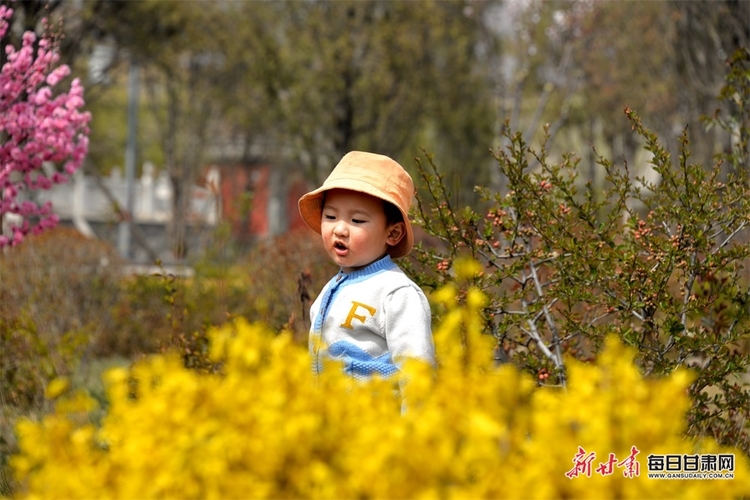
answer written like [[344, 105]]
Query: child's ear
[[395, 233]]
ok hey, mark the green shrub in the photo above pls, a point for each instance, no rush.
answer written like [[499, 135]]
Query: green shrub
[[285, 274], [662, 264], [274, 283], [57, 291]]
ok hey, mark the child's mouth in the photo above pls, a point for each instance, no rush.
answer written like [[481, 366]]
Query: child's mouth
[[340, 248]]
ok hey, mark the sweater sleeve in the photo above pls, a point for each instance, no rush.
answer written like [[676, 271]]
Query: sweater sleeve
[[408, 325]]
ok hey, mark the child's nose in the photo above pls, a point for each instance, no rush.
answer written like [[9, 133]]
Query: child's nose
[[340, 229]]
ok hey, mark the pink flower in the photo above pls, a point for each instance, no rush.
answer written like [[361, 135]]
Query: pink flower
[[42, 182], [59, 178], [27, 208], [57, 74], [36, 127], [17, 237], [42, 97]]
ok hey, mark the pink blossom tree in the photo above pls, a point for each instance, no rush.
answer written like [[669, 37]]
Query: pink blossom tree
[[36, 128]]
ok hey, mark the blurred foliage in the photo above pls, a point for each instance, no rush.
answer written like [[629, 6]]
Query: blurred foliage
[[265, 428], [273, 283], [285, 274], [367, 75], [64, 296], [56, 295]]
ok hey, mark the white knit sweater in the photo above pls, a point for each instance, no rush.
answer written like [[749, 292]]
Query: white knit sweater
[[371, 319]]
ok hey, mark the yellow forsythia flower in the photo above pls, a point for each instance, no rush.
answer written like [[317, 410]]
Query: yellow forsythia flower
[[266, 428], [56, 387]]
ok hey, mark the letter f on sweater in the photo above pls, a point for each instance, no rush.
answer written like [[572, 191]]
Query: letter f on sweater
[[353, 314]]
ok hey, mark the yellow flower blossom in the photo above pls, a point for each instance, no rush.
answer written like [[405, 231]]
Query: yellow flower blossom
[[267, 428], [56, 387]]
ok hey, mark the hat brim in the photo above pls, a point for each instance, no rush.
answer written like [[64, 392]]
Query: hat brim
[[311, 209]]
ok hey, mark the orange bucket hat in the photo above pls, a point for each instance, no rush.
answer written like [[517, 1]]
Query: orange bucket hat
[[368, 173]]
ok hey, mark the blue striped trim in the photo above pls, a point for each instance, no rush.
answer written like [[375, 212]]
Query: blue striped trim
[[360, 364]]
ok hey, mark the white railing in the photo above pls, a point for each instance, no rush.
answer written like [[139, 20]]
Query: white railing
[[153, 194]]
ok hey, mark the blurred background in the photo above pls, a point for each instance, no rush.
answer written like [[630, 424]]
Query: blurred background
[[211, 117]]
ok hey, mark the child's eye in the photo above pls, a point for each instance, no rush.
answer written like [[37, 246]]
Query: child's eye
[[358, 221], [328, 217]]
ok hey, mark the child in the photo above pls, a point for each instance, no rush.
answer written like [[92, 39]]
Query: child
[[370, 316]]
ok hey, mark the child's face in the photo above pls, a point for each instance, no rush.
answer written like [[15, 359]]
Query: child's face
[[354, 229]]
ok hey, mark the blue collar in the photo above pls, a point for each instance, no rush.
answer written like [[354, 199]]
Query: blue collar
[[379, 265]]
